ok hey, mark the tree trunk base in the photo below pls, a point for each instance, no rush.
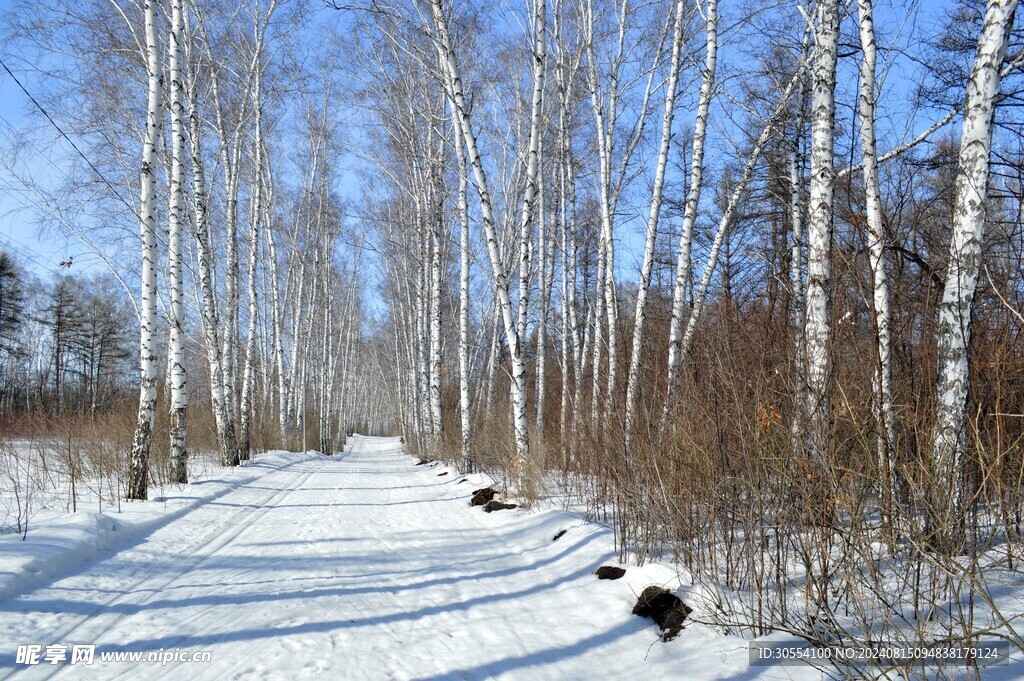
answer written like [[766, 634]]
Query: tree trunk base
[[138, 469]]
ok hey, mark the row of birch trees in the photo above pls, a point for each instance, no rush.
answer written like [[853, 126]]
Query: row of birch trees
[[247, 291], [284, 275], [656, 246], [567, 118]]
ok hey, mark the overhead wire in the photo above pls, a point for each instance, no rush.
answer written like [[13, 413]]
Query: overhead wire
[[70, 141]]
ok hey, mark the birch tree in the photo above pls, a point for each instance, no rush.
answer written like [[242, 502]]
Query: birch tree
[[817, 319], [231, 131], [277, 329], [640, 315], [607, 91], [436, 237], [175, 265], [796, 167], [261, 21], [205, 264], [707, 89], [464, 255], [138, 473], [876, 245], [954, 323], [512, 336], [528, 209], [568, 59]]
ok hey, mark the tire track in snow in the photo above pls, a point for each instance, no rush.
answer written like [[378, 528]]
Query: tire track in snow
[[151, 586], [206, 621], [361, 607]]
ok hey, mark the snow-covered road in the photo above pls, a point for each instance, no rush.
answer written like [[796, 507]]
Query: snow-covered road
[[362, 566]]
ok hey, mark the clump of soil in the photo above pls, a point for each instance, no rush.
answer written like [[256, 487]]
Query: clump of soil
[[482, 496], [610, 572], [665, 608], [495, 505], [561, 533]]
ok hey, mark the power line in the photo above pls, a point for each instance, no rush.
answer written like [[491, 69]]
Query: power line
[[69, 140]]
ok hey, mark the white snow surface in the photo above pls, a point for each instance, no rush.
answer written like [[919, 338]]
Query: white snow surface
[[358, 566], [58, 542]]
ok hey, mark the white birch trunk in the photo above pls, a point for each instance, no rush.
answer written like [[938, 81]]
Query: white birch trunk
[[175, 264], [640, 315], [817, 320], [229, 338], [565, 355], [463, 208], [528, 208], [307, 342], [230, 152], [277, 322], [545, 269], [293, 415], [493, 251], [258, 197], [611, 301], [580, 348], [436, 240], [138, 473], [954, 331], [796, 270], [423, 331], [597, 337], [245, 404], [700, 127], [323, 385], [566, 68], [563, 227], [207, 287], [876, 248], [605, 136]]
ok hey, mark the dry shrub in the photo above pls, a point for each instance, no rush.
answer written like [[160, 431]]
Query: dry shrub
[[773, 536]]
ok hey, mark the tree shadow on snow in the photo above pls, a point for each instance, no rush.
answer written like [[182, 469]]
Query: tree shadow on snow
[[220, 594], [270, 630]]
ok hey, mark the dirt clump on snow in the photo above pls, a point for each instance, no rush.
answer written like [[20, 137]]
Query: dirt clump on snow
[[495, 505], [482, 496], [665, 608], [610, 572]]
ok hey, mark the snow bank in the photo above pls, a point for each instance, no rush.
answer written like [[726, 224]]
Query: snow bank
[[56, 545]]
